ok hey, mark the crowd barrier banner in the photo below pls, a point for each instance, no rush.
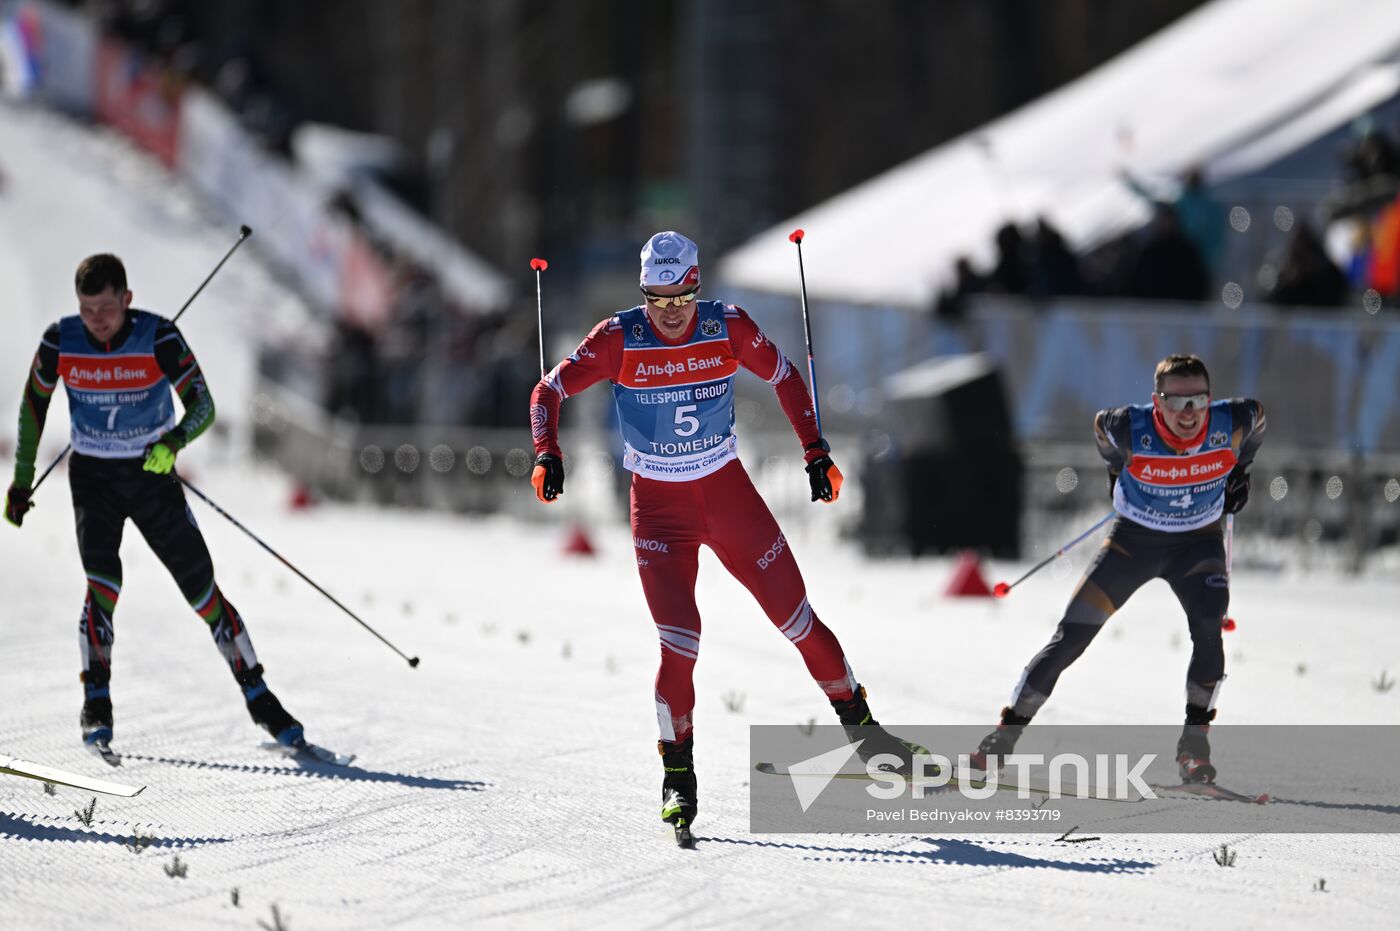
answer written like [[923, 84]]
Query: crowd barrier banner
[[52, 50], [140, 99], [1327, 377], [56, 56], [467, 279], [296, 228]]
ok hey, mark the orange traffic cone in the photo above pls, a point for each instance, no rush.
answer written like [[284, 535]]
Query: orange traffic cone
[[967, 581], [577, 543]]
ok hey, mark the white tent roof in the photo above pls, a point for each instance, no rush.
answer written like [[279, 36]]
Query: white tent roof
[[1232, 86]]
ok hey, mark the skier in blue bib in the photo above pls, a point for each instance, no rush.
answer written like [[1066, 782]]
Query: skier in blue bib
[[119, 365], [1175, 468]]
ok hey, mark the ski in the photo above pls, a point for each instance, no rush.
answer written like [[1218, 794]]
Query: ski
[[773, 769], [104, 752], [684, 839], [310, 751], [1208, 790], [13, 766]]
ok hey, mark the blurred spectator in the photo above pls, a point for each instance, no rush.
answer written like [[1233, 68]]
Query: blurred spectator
[[1168, 267], [352, 372], [1200, 217], [1307, 277], [238, 83], [1348, 243], [417, 306], [1054, 269], [1384, 268], [1371, 165], [1010, 275], [1372, 155], [952, 302], [1108, 267]]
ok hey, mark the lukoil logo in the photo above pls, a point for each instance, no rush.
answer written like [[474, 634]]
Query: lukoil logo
[[1116, 777]]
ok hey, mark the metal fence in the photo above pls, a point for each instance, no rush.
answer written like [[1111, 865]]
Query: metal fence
[[1326, 483]]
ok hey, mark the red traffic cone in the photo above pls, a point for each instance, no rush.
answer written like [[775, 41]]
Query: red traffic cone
[[577, 543], [301, 498], [967, 581]]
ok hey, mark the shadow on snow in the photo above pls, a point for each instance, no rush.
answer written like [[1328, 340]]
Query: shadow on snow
[[19, 827], [316, 769], [944, 851], [1341, 806]]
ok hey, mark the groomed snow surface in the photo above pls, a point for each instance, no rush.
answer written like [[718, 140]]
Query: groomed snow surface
[[511, 780]]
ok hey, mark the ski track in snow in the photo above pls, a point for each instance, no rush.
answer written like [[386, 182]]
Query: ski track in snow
[[504, 783]]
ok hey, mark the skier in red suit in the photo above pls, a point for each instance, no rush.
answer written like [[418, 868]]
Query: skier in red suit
[[671, 362]]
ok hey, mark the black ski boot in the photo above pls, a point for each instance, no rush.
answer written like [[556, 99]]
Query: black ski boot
[[1193, 747], [860, 725], [96, 719], [1000, 742], [267, 711], [680, 800]]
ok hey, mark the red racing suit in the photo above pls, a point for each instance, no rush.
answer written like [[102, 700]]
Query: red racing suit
[[688, 486]]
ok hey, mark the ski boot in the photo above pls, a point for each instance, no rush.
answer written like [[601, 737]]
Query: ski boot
[[96, 719], [1000, 742], [1193, 748], [267, 711], [860, 725], [680, 801]]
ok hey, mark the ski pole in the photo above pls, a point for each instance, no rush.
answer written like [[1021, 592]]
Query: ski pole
[[412, 660], [1002, 589], [796, 237], [539, 265], [243, 233], [1229, 623]]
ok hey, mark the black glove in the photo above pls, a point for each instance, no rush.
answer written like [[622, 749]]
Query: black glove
[[548, 477], [1112, 483], [823, 475], [1237, 490], [16, 504]]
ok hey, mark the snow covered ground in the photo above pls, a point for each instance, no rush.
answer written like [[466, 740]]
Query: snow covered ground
[[512, 777], [511, 780]]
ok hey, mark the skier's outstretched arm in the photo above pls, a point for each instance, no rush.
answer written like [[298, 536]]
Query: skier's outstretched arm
[[758, 354], [593, 361], [33, 411]]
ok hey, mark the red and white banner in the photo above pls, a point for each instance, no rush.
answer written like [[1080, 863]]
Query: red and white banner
[[109, 373], [140, 99]]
